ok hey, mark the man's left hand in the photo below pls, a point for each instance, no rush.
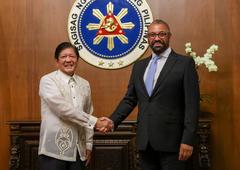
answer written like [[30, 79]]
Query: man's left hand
[[88, 157], [185, 152]]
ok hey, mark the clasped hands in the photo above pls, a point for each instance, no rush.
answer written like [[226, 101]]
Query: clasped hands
[[104, 125]]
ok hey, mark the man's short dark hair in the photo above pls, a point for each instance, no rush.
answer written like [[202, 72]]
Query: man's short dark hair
[[63, 46], [159, 21]]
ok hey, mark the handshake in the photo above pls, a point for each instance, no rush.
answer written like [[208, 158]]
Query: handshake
[[104, 125]]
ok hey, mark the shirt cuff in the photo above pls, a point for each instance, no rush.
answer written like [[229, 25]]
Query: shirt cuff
[[92, 121], [89, 146]]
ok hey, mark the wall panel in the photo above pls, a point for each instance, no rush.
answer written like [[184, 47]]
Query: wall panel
[[31, 29]]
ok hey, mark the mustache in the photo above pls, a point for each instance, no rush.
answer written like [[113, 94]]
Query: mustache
[[158, 41]]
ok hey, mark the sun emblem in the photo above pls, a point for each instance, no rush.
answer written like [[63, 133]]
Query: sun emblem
[[110, 26], [109, 34]]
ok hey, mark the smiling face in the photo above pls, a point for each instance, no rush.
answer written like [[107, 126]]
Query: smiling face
[[67, 61], [158, 37]]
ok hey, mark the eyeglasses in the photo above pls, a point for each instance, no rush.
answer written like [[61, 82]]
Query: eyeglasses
[[161, 34]]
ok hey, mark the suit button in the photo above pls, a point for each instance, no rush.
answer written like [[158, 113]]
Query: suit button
[[149, 100]]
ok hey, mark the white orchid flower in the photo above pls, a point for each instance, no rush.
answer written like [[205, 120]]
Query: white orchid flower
[[193, 54], [206, 59], [207, 55], [188, 45], [212, 68], [188, 50]]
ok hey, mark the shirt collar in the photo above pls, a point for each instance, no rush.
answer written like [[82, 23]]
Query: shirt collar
[[164, 54], [65, 77]]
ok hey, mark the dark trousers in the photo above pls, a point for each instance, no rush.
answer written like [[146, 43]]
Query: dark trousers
[[49, 163], [157, 160]]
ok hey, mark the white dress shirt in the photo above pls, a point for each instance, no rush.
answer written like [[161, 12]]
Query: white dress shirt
[[160, 63]]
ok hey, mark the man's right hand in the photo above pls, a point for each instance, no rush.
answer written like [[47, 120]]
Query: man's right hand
[[104, 124]]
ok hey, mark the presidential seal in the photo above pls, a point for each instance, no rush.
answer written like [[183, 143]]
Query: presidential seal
[[109, 34]]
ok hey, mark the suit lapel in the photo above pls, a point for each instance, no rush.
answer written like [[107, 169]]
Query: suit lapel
[[141, 74], [166, 68]]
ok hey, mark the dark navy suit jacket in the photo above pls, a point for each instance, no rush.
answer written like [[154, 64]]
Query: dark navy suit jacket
[[169, 116]]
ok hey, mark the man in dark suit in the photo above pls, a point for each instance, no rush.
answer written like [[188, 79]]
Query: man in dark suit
[[165, 88]]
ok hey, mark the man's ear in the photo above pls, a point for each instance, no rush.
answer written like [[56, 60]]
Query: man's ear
[[56, 62]]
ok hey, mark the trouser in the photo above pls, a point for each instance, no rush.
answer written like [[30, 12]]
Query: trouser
[[157, 160], [49, 163]]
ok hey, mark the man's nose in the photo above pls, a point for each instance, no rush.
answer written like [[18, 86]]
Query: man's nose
[[68, 58], [157, 38]]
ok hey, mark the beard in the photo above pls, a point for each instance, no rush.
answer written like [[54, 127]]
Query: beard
[[158, 49]]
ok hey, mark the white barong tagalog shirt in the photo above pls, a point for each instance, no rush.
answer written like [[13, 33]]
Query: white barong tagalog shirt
[[67, 124]]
